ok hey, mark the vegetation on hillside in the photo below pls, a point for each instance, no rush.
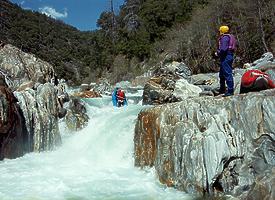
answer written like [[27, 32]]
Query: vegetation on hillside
[[143, 32]]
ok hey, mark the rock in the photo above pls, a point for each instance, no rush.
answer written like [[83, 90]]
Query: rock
[[211, 144], [179, 68], [87, 94], [25, 85], [21, 67], [76, 117], [207, 93], [210, 82], [123, 84], [41, 110], [62, 113], [103, 87], [84, 87], [155, 93], [40, 103], [266, 64], [14, 139], [183, 89], [175, 69], [266, 59], [140, 81], [205, 79]]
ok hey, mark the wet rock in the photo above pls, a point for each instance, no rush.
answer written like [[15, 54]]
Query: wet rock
[[40, 99], [76, 117], [13, 133], [41, 111]]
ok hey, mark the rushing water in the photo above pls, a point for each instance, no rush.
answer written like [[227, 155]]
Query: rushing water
[[95, 163]]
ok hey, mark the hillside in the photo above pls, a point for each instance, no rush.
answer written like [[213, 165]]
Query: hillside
[[142, 34], [71, 52]]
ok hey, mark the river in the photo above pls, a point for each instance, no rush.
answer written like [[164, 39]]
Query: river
[[94, 163]]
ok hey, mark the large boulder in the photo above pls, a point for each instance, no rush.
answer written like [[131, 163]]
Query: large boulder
[[22, 67], [13, 133], [160, 88], [76, 117], [40, 97], [41, 111], [211, 144]]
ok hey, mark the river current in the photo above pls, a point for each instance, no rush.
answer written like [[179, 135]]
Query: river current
[[94, 163]]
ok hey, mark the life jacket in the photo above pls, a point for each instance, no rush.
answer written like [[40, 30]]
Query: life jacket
[[250, 76], [120, 95], [232, 42]]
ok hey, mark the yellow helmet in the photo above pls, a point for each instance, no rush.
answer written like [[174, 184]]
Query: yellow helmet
[[224, 29]]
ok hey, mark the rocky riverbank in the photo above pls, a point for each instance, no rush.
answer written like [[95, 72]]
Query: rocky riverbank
[[203, 144], [31, 101]]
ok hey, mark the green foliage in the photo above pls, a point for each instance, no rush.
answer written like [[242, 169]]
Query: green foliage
[[72, 53], [196, 41], [149, 31]]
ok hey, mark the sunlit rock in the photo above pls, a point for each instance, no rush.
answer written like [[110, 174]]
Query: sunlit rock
[[39, 93], [22, 67], [211, 144], [41, 110], [169, 84], [183, 89], [87, 94], [26, 85], [210, 82]]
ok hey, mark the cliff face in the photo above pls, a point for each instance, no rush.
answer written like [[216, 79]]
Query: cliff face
[[13, 133], [29, 104], [23, 68], [212, 144], [40, 109]]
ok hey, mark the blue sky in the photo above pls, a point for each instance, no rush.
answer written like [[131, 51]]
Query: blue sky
[[81, 14]]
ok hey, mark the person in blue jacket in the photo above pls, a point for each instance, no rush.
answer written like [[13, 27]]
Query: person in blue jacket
[[114, 96], [227, 45]]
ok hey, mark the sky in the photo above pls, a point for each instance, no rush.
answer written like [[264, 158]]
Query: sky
[[82, 14]]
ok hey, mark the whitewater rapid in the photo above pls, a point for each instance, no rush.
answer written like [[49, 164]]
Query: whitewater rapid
[[94, 163]]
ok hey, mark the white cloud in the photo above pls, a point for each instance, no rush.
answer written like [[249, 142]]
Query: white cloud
[[51, 12], [22, 2]]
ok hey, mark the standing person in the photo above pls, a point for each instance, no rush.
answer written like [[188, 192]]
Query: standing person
[[227, 45]]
